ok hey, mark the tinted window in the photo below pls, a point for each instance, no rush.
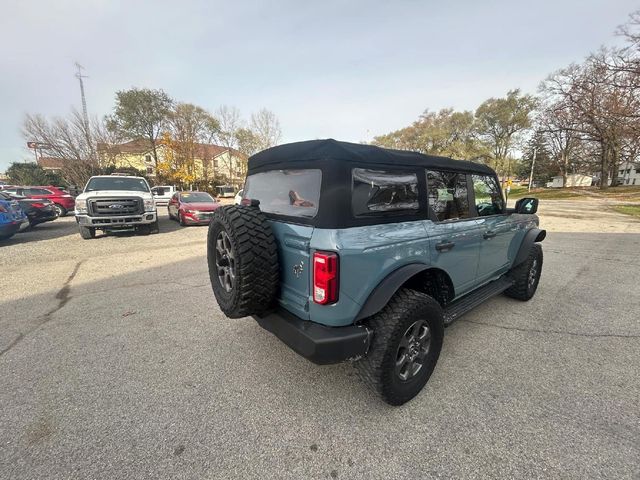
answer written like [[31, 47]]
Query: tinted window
[[286, 192], [489, 199], [117, 183], [376, 191], [196, 197], [448, 195]]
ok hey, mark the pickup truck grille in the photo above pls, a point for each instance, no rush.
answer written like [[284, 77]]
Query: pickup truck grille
[[111, 207]]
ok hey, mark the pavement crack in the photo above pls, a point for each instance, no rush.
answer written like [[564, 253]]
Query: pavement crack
[[554, 332], [62, 296]]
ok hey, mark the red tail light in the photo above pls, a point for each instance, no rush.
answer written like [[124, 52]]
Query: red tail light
[[325, 277]]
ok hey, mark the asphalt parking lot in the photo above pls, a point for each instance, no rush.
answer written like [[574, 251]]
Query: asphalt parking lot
[[115, 362]]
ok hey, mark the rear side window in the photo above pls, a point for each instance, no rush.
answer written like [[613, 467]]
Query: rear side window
[[488, 196], [294, 193], [448, 195], [377, 191]]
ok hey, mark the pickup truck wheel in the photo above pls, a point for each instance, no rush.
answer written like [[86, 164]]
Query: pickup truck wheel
[[407, 339], [243, 261], [87, 232], [154, 227], [526, 276]]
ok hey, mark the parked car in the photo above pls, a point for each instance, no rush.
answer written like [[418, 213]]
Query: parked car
[[116, 202], [355, 252], [225, 191], [162, 194], [238, 199], [37, 210], [63, 201], [192, 208], [12, 218]]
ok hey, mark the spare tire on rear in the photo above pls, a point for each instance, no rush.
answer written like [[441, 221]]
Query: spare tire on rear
[[243, 261]]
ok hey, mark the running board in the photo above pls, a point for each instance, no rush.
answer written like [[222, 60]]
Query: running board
[[472, 300]]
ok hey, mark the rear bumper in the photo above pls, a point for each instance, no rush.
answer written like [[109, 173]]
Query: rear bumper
[[318, 343]]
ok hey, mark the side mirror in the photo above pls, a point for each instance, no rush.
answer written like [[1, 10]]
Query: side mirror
[[527, 205]]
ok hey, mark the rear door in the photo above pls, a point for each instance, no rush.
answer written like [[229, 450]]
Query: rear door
[[454, 235], [294, 194]]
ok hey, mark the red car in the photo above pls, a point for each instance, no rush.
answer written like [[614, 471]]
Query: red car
[[192, 208], [63, 202]]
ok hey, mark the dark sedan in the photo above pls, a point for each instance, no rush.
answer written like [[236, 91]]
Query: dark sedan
[[192, 208], [37, 210]]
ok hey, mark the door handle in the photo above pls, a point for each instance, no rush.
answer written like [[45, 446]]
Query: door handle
[[489, 234], [443, 246]]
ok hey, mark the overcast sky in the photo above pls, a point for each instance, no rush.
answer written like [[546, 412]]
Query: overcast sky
[[347, 70]]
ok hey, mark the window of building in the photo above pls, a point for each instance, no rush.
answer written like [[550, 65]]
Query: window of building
[[448, 195], [488, 196], [150, 170], [377, 191], [147, 158]]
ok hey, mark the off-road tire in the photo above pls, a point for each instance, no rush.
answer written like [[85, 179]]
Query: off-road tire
[[87, 232], [154, 227], [389, 325], [255, 286], [523, 289]]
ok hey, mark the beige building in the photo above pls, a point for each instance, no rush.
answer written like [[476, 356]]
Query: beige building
[[211, 162]]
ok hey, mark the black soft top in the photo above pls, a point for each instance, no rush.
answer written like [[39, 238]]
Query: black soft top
[[330, 149]]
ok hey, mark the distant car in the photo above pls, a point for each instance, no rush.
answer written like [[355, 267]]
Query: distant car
[[163, 193], [37, 210], [63, 202], [192, 208], [225, 191], [238, 198], [12, 218]]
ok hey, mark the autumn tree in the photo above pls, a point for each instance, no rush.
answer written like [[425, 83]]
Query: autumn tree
[[447, 132], [500, 122], [191, 128], [141, 114]]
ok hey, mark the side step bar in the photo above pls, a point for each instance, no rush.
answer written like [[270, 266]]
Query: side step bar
[[475, 298]]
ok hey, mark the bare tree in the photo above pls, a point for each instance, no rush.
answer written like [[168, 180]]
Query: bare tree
[[67, 139], [266, 129], [229, 122]]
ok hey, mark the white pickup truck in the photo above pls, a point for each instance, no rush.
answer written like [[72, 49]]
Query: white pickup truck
[[116, 202]]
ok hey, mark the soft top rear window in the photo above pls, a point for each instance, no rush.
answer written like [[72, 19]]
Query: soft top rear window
[[293, 193]]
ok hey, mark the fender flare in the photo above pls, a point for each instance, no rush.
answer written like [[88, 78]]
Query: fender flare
[[383, 292], [532, 236]]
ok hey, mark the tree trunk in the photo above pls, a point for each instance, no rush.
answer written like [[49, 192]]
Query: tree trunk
[[604, 166]]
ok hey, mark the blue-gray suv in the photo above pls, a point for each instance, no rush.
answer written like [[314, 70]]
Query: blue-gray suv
[[355, 252]]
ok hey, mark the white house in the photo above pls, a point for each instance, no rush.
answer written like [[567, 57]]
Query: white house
[[629, 174], [573, 180]]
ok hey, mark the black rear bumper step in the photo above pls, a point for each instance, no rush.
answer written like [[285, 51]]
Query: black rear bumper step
[[319, 343], [475, 298]]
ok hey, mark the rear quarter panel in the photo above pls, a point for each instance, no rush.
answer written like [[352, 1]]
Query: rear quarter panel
[[367, 255]]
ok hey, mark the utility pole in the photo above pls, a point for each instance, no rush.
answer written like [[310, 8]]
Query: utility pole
[[79, 76], [533, 163], [85, 115]]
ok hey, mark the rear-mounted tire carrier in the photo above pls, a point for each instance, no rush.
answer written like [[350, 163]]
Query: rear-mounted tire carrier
[[243, 261]]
